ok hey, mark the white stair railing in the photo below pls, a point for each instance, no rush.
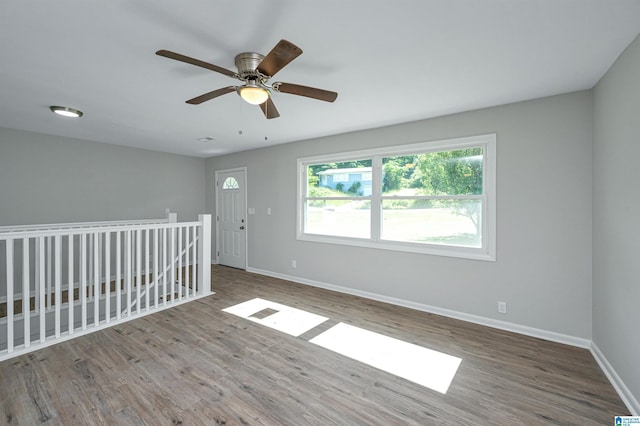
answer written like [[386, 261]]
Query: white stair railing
[[64, 280]]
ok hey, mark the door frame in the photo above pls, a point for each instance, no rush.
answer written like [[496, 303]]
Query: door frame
[[242, 170]]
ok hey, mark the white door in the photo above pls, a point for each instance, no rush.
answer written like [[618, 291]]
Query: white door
[[231, 219]]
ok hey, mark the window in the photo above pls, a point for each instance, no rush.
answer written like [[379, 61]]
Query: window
[[337, 207], [230, 183], [433, 197]]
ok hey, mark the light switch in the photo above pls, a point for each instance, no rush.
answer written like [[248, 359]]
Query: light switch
[[268, 210], [252, 210]]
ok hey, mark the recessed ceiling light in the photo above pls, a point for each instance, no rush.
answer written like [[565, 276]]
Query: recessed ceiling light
[[206, 139], [66, 111]]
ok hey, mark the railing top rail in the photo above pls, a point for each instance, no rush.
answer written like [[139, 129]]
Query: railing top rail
[[127, 226], [54, 226], [169, 217]]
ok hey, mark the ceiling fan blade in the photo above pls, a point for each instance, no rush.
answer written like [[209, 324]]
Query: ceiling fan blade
[[269, 109], [193, 61], [309, 92], [208, 96], [283, 53]]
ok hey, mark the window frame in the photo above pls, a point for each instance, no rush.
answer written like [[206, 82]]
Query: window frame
[[486, 252]]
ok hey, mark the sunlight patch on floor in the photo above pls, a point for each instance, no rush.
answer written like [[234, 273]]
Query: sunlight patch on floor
[[426, 367], [287, 320], [423, 366]]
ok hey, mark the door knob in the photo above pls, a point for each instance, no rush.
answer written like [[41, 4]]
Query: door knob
[[242, 227]]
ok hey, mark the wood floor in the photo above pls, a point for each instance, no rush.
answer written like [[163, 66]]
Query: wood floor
[[196, 365]]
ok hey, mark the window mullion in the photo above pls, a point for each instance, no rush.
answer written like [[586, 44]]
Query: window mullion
[[376, 198]]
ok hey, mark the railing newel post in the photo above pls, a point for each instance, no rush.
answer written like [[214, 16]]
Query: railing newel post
[[204, 254]]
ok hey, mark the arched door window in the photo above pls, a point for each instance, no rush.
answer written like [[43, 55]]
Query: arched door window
[[230, 183]]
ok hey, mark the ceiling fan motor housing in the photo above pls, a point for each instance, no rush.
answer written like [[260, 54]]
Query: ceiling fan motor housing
[[247, 63]]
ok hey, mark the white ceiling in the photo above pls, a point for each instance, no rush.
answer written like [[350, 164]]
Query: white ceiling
[[390, 62]]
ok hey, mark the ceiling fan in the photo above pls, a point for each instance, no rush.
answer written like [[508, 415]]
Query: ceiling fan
[[255, 70]]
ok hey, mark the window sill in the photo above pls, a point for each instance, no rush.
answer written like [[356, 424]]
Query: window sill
[[429, 249]]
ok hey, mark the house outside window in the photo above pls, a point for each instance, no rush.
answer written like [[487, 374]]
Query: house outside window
[[433, 198], [358, 180]]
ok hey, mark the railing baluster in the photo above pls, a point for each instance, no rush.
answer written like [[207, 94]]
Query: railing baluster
[[107, 277], [37, 267], [70, 287], [96, 279], [49, 272], [26, 293], [128, 267], [58, 283], [187, 265], [138, 268], [83, 279], [146, 270], [180, 270], [164, 266], [9, 266], [41, 289], [172, 254], [155, 267], [90, 259], [118, 275]]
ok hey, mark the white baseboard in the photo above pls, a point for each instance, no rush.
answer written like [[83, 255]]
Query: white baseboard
[[625, 394]]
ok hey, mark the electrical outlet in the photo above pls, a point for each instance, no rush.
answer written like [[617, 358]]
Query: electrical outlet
[[293, 264], [502, 307]]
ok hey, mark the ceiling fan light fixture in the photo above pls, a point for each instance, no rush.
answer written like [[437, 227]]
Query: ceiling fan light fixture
[[253, 94], [66, 111]]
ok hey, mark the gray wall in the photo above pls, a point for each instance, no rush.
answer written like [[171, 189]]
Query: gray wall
[[543, 267], [45, 179], [616, 213]]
